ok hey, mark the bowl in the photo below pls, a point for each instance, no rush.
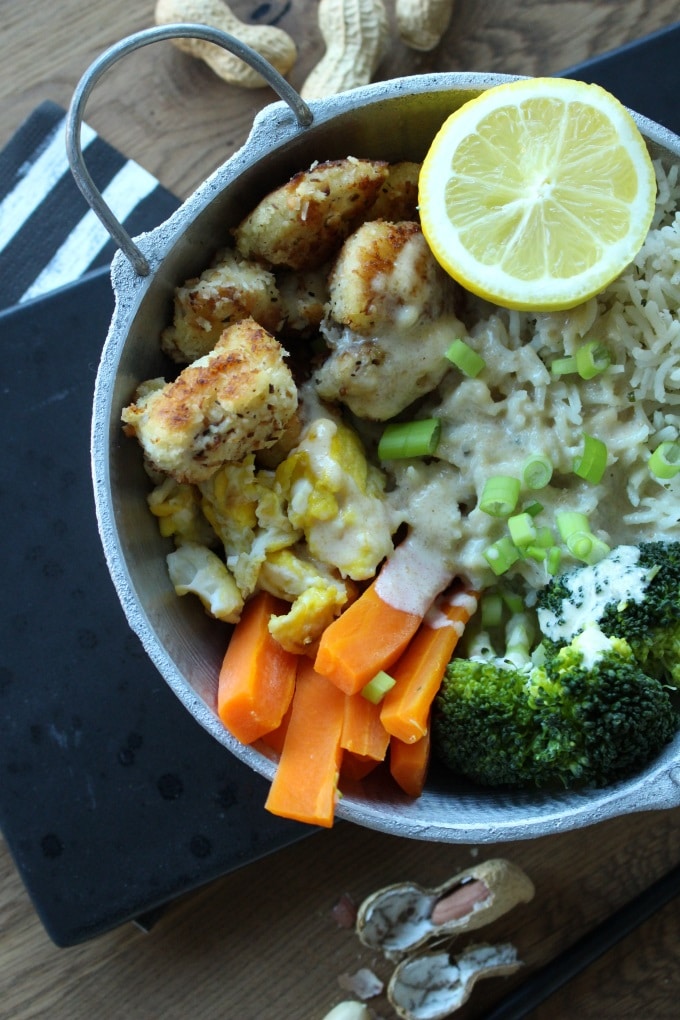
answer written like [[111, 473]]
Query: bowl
[[392, 120]]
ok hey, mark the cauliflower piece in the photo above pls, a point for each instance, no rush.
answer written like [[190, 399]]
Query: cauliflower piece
[[178, 509], [317, 597], [336, 498], [230, 290], [235, 400], [247, 511], [390, 321], [196, 569], [304, 222]]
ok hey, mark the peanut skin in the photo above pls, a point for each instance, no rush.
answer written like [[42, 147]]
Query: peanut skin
[[422, 23], [272, 43], [356, 34]]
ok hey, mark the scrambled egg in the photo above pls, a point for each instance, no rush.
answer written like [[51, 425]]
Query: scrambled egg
[[336, 498], [304, 532]]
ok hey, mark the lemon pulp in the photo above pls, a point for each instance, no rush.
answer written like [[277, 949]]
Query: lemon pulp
[[537, 193]]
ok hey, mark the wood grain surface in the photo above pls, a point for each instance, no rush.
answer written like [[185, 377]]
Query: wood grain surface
[[263, 943]]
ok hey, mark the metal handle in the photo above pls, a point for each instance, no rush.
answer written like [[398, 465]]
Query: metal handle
[[109, 57]]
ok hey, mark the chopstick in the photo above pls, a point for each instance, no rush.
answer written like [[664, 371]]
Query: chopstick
[[587, 949]]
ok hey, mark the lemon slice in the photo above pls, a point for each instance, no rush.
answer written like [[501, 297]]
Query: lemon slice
[[537, 193]]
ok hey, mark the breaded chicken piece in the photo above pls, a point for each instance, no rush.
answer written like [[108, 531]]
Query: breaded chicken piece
[[235, 400], [303, 296], [230, 290], [386, 277], [304, 222], [391, 320], [398, 197]]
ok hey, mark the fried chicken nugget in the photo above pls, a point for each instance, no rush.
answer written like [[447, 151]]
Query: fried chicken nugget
[[235, 400], [390, 321], [232, 289], [398, 197], [304, 222]]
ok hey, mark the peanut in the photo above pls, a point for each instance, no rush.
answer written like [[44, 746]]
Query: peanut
[[356, 34], [348, 1010], [422, 23], [460, 902], [272, 43]]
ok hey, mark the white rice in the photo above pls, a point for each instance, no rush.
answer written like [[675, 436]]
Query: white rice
[[515, 407]]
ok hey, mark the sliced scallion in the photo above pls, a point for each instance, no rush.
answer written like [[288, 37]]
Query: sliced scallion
[[410, 439], [469, 362], [491, 610], [553, 560], [536, 552], [501, 555], [665, 461], [533, 509], [513, 601], [499, 495], [537, 471], [593, 460], [570, 522], [564, 366], [588, 548], [544, 537], [376, 689], [522, 529], [592, 359]]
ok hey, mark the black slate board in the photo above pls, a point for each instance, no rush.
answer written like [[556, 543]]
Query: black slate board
[[113, 800]]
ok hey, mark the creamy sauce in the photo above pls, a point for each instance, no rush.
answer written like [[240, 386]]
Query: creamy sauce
[[413, 576], [618, 576]]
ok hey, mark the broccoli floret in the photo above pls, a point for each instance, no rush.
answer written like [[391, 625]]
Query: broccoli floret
[[580, 714], [633, 593]]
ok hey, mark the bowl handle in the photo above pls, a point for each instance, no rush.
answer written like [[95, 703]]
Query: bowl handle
[[109, 57]]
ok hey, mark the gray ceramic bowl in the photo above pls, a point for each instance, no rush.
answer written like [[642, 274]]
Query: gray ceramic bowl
[[392, 120]]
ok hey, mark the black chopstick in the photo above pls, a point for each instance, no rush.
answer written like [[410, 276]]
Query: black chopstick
[[541, 985]]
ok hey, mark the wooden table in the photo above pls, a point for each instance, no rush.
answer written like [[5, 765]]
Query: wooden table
[[263, 942]]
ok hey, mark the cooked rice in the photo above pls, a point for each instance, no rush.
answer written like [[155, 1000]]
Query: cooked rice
[[516, 407]]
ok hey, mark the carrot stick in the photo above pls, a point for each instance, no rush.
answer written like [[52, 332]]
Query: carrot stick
[[257, 677], [408, 764], [405, 709], [305, 783], [362, 731], [372, 633], [366, 638], [354, 767], [274, 739]]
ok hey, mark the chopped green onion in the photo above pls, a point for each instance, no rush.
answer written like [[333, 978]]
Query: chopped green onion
[[569, 522], [592, 359], [533, 509], [537, 471], [464, 358], [501, 555], [587, 547], [376, 689], [563, 366], [522, 530], [410, 439], [536, 552], [665, 461], [499, 495], [592, 463], [553, 561], [513, 601], [544, 537], [491, 610]]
